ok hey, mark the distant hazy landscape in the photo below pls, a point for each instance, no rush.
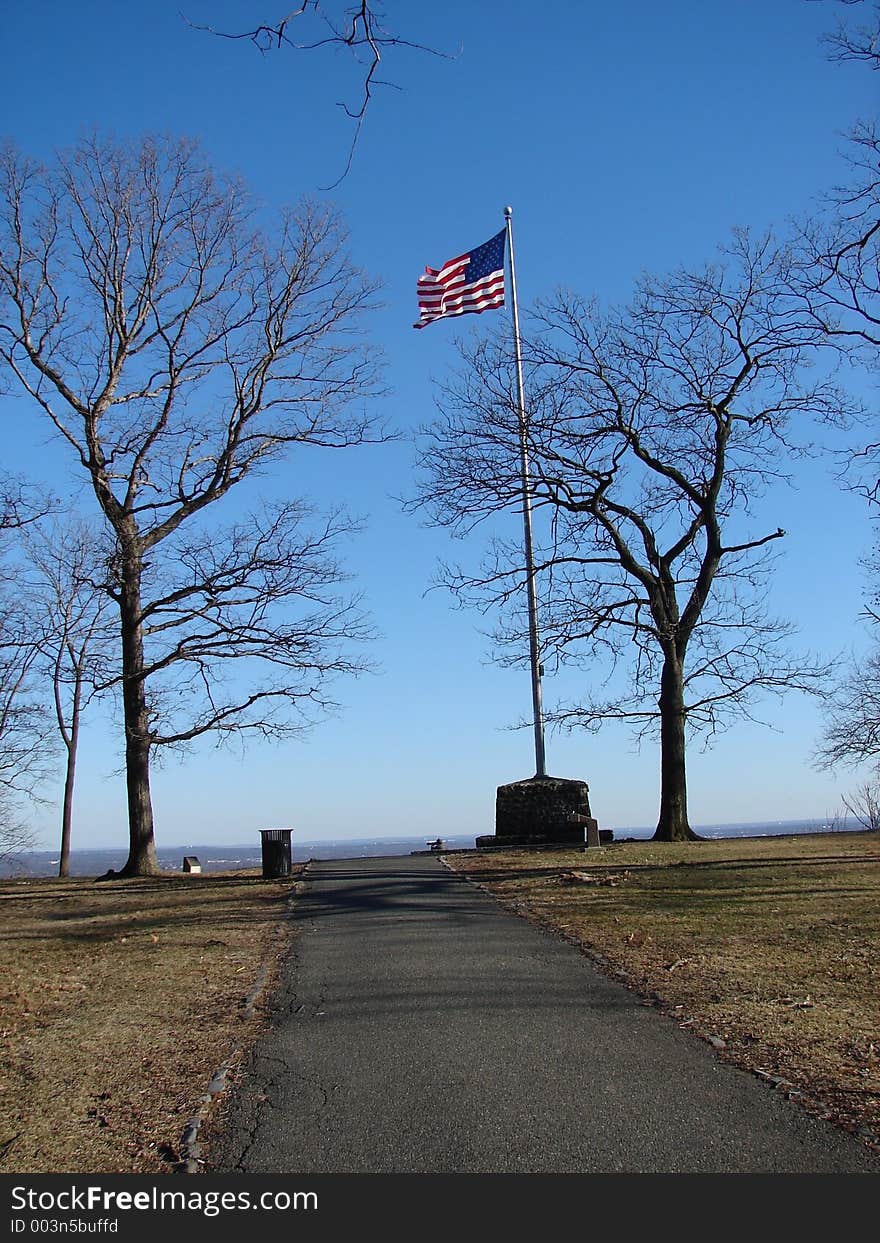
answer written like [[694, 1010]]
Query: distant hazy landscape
[[215, 858]]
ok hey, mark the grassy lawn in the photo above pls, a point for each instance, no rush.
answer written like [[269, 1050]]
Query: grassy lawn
[[767, 947], [119, 1000]]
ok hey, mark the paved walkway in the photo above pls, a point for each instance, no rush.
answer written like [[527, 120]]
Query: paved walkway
[[424, 1029]]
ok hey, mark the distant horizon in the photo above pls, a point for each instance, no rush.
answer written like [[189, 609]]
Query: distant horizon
[[218, 857], [815, 822]]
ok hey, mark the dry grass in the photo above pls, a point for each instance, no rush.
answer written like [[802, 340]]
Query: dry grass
[[119, 1000], [770, 948]]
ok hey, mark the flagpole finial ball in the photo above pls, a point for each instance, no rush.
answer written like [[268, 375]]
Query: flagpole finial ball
[[508, 212]]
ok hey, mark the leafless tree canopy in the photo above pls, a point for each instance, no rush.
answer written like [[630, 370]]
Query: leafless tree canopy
[[16, 837], [146, 312], [852, 729], [838, 277], [179, 348], [316, 24], [21, 504], [25, 744], [25, 750], [650, 431], [245, 625], [856, 36], [839, 270], [864, 804]]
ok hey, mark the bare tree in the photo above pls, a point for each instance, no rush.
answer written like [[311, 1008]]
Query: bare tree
[[245, 626], [16, 837], [852, 717], [650, 431], [25, 748], [837, 277], [856, 39], [317, 24], [864, 804], [25, 752], [25, 743], [67, 572], [178, 349], [838, 270], [21, 503]]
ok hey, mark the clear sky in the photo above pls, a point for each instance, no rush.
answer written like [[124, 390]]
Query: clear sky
[[627, 136]]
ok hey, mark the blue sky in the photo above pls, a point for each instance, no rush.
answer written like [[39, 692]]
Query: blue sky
[[627, 137]]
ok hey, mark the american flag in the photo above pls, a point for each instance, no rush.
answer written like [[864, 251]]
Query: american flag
[[469, 284]]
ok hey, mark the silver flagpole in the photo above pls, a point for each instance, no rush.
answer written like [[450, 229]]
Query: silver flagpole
[[534, 649]]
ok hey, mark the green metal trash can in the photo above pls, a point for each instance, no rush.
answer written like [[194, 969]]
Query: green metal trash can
[[276, 853]]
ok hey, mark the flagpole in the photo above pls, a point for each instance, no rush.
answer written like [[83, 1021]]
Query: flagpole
[[534, 646]]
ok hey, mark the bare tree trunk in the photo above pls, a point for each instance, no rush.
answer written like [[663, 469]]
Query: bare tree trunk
[[142, 859], [71, 742], [673, 825]]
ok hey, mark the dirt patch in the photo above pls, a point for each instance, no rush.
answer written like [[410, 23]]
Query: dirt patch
[[768, 948], [119, 1001]]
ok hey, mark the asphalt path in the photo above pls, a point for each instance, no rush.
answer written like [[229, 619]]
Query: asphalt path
[[421, 1028]]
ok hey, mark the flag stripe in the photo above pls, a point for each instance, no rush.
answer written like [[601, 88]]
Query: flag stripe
[[485, 292], [466, 298], [437, 290]]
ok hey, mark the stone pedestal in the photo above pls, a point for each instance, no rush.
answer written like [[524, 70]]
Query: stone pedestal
[[540, 811]]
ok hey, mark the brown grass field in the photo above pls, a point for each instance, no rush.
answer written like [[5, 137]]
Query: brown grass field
[[767, 947], [119, 1000]]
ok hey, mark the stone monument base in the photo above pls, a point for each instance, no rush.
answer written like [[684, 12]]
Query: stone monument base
[[543, 811]]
